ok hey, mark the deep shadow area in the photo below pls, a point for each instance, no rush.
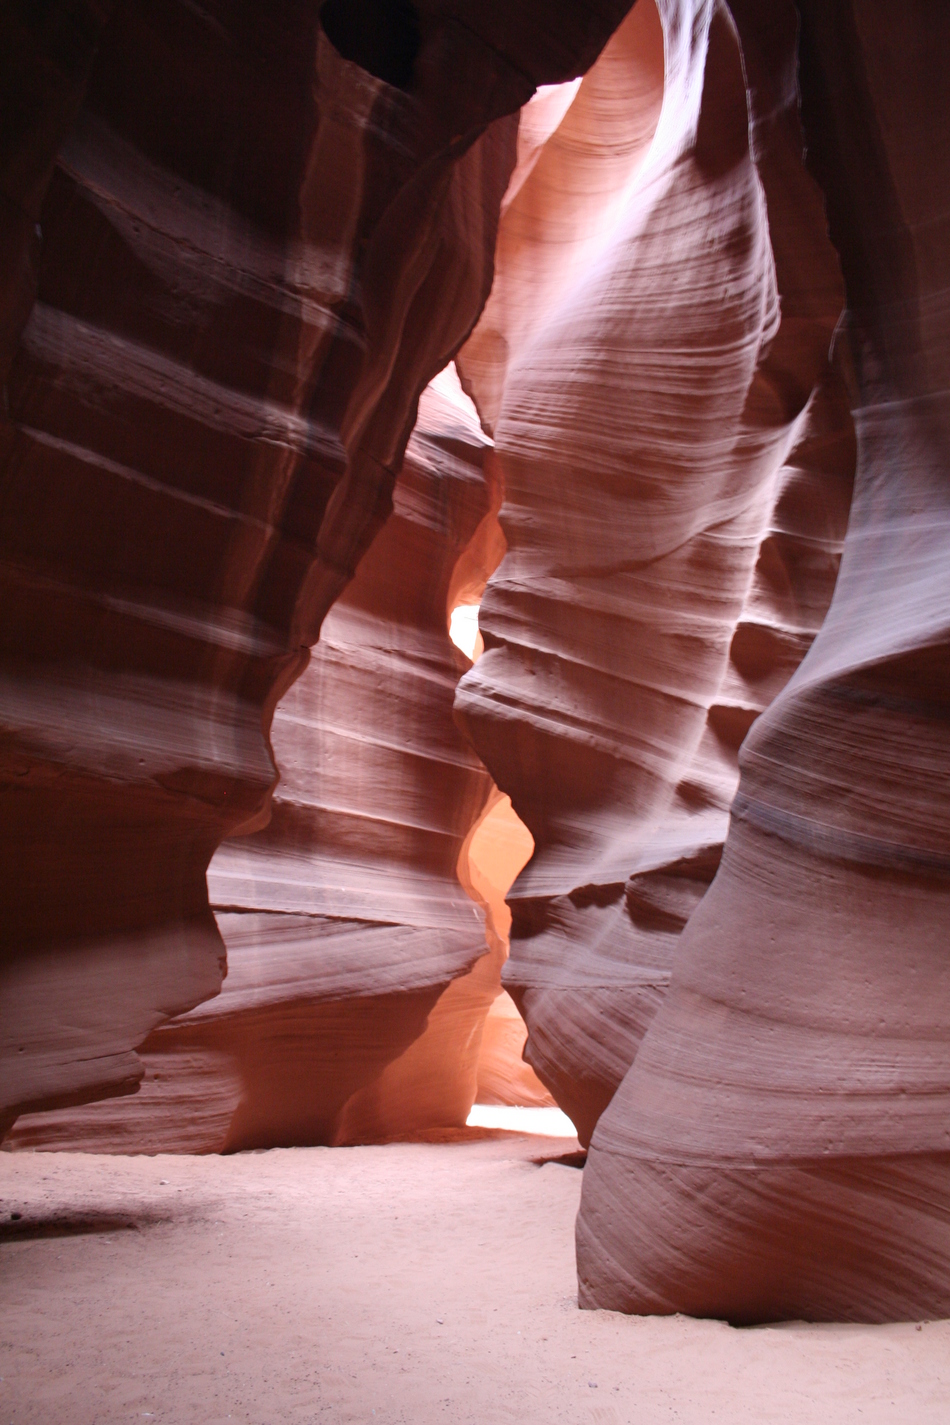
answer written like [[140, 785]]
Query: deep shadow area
[[381, 36]]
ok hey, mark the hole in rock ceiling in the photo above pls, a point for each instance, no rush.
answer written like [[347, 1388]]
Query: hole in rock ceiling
[[381, 36]]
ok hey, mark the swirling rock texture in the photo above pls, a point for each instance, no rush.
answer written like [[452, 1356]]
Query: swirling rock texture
[[677, 453], [344, 919], [500, 847], [781, 1146], [234, 255], [503, 1075]]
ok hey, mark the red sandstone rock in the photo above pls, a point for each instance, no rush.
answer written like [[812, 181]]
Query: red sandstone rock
[[500, 847], [434, 1082], [203, 410], [676, 455], [253, 257], [781, 1146], [344, 918], [504, 1077]]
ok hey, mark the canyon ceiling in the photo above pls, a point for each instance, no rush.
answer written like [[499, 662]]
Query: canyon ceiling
[[260, 816]]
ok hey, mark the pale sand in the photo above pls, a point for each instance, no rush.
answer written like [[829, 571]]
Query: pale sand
[[411, 1283]]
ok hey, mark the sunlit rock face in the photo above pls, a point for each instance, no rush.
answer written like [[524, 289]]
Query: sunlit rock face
[[433, 1083], [504, 1076], [498, 850], [234, 253], [677, 455], [781, 1147]]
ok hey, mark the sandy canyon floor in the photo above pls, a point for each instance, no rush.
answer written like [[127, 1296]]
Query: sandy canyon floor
[[414, 1282]]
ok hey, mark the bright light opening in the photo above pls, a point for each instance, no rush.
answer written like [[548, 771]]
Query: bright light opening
[[546, 1122], [463, 629]]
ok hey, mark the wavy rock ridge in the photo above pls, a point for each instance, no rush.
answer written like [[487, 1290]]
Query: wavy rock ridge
[[344, 918], [233, 258], [781, 1147], [677, 453], [236, 244]]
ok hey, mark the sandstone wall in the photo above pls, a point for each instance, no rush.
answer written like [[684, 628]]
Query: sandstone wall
[[780, 1147], [344, 918], [677, 455], [232, 260], [359, 977]]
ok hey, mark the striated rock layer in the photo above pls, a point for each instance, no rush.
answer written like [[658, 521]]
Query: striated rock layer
[[781, 1146], [234, 254], [434, 1082], [677, 455], [500, 848], [344, 918]]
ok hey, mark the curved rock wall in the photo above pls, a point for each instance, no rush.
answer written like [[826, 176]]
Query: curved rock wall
[[235, 248], [780, 1147], [344, 918], [46, 56], [251, 255], [676, 454], [500, 848]]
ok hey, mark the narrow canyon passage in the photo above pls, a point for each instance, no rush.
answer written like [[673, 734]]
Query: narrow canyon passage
[[474, 641], [397, 1285]]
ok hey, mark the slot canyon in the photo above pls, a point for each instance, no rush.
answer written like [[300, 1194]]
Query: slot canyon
[[475, 711]]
